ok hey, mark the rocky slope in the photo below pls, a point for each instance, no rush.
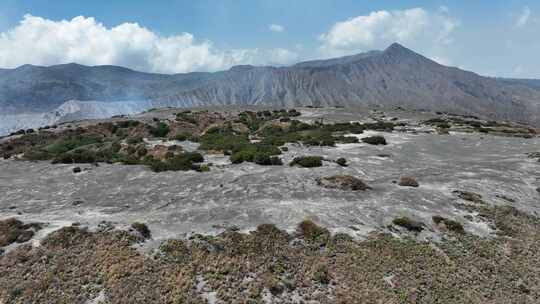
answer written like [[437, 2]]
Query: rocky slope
[[69, 111]]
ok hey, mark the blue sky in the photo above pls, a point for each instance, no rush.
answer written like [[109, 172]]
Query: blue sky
[[496, 38]]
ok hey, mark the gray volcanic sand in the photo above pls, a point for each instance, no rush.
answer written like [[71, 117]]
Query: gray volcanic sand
[[176, 204]]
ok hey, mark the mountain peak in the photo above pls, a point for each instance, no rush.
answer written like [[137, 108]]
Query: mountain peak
[[396, 48]]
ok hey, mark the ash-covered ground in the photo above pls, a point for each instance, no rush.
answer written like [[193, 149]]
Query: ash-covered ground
[[176, 204], [447, 211]]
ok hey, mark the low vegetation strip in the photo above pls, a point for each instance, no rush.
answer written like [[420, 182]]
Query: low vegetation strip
[[75, 265], [258, 137]]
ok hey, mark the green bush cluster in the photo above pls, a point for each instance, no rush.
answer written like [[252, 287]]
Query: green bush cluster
[[374, 140], [181, 162], [72, 142], [342, 162], [143, 229], [258, 153], [451, 225], [187, 116], [312, 232], [254, 120], [239, 147], [306, 134], [408, 224], [183, 136], [223, 141], [160, 130], [307, 161]]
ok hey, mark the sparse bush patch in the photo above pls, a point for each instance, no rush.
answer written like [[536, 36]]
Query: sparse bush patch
[[142, 229], [408, 224], [342, 162], [451, 225], [312, 232], [160, 130], [374, 140], [307, 161]]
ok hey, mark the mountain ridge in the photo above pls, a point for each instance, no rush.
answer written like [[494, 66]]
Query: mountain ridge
[[394, 76]]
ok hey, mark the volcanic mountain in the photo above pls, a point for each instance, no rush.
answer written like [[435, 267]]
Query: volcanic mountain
[[396, 76]]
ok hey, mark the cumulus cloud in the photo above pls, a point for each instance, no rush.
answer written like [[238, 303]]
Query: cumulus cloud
[[524, 17], [282, 56], [414, 27], [84, 40], [276, 28]]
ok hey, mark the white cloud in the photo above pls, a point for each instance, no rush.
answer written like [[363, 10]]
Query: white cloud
[[83, 40], [276, 28], [524, 17], [282, 56], [414, 27]]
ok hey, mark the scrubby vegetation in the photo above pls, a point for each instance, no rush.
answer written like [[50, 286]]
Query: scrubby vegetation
[[258, 137], [307, 161], [15, 231], [311, 265], [449, 224], [121, 142], [472, 123], [181, 162], [161, 130], [342, 162], [142, 229], [266, 132], [408, 224], [374, 140]]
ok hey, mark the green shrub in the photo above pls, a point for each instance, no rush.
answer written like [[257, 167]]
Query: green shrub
[[252, 152], [127, 124], [320, 273], [181, 162], [142, 151], [182, 136], [443, 125], [341, 161], [242, 156], [408, 224], [72, 142], [187, 116], [38, 154], [307, 161], [374, 140], [300, 126], [319, 138], [80, 156], [194, 157], [134, 140], [312, 232], [203, 168], [160, 130], [142, 229], [294, 113], [347, 139], [267, 160], [379, 126], [215, 140], [451, 225], [354, 127]]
